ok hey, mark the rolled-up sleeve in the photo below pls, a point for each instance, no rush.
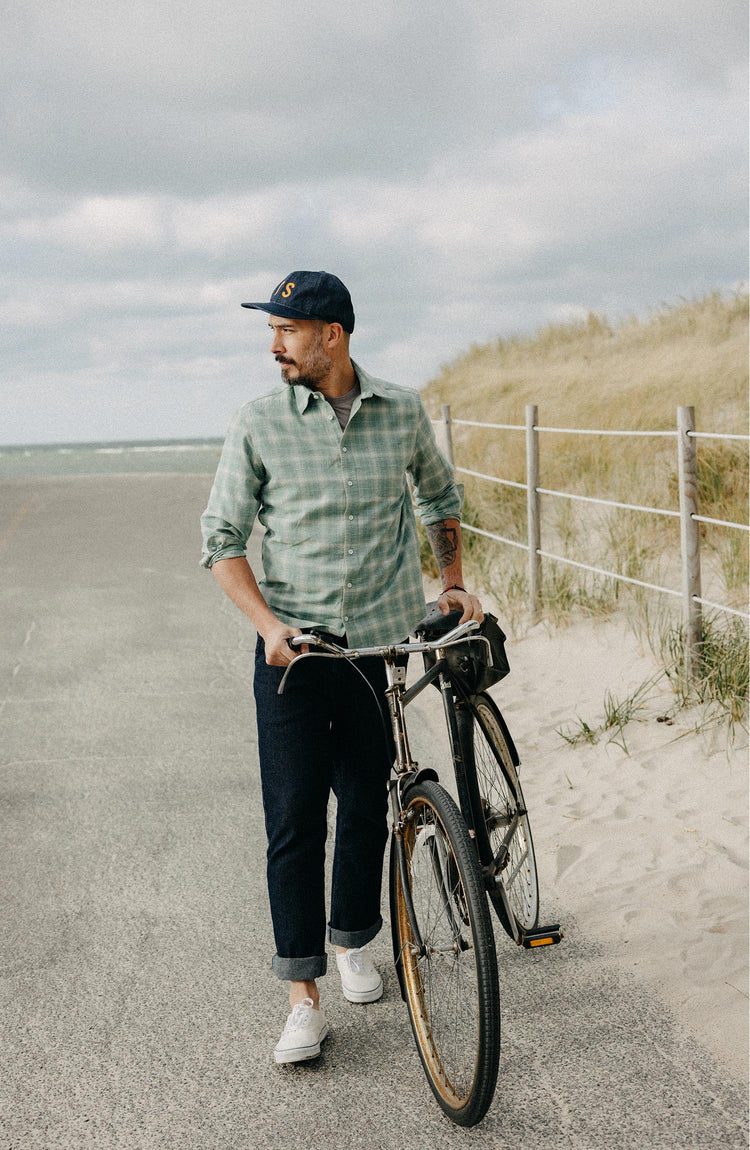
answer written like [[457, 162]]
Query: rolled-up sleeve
[[235, 496], [437, 496]]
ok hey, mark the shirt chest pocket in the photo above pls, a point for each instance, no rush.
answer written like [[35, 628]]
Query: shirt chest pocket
[[303, 482], [374, 462], [312, 474]]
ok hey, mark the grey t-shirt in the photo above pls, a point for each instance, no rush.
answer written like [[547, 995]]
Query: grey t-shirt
[[342, 405]]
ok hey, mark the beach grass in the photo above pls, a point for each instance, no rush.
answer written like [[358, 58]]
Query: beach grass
[[626, 376]]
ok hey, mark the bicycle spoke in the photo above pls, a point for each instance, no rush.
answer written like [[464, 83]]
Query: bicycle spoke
[[503, 810]]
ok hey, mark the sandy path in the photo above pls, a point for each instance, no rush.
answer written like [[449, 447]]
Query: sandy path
[[138, 1009]]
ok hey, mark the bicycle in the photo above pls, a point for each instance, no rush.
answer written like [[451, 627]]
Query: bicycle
[[444, 857]]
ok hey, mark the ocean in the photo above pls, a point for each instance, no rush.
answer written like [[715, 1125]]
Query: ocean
[[187, 456]]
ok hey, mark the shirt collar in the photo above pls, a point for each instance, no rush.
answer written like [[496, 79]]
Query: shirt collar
[[303, 396], [368, 386]]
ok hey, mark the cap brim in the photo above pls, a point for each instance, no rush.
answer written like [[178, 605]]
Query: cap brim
[[280, 309]]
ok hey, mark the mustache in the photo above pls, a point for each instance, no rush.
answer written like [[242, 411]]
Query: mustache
[[283, 360]]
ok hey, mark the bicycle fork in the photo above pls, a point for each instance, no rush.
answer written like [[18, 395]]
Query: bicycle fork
[[406, 773]]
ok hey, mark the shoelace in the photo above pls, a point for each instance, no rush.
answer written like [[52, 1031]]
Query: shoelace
[[300, 1016], [359, 960]]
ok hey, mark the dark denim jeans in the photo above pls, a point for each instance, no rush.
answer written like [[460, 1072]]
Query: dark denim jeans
[[325, 733]]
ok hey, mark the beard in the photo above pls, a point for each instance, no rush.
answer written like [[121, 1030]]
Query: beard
[[315, 368]]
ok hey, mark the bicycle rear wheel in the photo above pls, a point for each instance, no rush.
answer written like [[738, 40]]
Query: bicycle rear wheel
[[448, 962], [498, 802]]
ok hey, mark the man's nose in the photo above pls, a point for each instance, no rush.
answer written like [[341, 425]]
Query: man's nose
[[277, 344]]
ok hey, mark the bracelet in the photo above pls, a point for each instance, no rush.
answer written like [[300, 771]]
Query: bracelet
[[454, 587]]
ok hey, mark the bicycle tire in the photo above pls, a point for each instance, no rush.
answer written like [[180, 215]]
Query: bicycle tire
[[451, 987], [496, 796]]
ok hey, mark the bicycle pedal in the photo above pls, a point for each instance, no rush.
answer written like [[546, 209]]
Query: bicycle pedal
[[542, 936]]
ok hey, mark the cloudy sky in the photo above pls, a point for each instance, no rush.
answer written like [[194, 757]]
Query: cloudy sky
[[470, 169]]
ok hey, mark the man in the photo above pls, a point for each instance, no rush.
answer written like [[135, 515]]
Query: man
[[323, 462]]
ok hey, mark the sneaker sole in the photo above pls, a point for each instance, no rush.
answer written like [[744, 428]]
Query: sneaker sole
[[301, 1053], [362, 995]]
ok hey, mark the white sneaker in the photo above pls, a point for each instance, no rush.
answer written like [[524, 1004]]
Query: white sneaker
[[304, 1031], [360, 980]]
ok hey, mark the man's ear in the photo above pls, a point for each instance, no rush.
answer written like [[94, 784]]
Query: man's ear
[[335, 335]]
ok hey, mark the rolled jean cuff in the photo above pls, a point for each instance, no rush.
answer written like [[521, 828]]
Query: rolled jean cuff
[[352, 938], [299, 969]]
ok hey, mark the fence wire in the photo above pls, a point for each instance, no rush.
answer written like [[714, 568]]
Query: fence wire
[[492, 478], [489, 535], [602, 431], [721, 607], [601, 502], [606, 502]]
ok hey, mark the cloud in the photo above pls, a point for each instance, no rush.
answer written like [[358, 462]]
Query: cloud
[[467, 168], [152, 98]]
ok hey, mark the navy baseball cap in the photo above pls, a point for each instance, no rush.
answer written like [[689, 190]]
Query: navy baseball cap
[[311, 295]]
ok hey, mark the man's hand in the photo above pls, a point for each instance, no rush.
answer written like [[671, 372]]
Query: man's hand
[[278, 651], [455, 600]]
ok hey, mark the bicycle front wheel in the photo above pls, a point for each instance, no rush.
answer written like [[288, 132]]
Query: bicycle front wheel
[[500, 808], [446, 950]]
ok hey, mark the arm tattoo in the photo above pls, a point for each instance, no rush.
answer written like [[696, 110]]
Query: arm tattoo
[[444, 543]]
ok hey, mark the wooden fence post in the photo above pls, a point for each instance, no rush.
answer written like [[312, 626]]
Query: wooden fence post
[[447, 432], [690, 540], [533, 509]]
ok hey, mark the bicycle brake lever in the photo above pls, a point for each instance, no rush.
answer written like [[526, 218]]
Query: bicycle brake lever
[[299, 659], [457, 633]]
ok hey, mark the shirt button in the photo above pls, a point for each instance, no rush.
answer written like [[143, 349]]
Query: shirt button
[[330, 417], [351, 550], [348, 483], [346, 618], [348, 584], [344, 448], [351, 516]]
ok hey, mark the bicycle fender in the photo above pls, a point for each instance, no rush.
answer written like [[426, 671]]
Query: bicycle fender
[[420, 775], [514, 756]]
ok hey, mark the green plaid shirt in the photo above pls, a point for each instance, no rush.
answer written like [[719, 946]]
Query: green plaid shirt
[[340, 550]]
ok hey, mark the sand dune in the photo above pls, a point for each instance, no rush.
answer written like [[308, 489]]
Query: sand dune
[[649, 848]]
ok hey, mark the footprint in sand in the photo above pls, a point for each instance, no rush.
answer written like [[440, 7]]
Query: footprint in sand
[[566, 856]]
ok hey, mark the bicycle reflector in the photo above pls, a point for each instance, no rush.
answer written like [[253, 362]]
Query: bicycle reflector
[[544, 936]]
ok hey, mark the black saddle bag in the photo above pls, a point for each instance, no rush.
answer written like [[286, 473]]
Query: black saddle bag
[[479, 661]]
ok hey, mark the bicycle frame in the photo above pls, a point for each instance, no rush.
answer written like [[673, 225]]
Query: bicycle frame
[[397, 695], [408, 771], [398, 698]]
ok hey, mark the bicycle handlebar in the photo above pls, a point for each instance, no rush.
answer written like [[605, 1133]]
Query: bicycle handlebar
[[456, 635], [328, 650]]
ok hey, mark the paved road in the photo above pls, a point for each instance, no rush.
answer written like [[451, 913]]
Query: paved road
[[137, 1002]]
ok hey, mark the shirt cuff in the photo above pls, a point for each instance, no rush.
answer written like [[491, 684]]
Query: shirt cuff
[[449, 507], [231, 551]]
